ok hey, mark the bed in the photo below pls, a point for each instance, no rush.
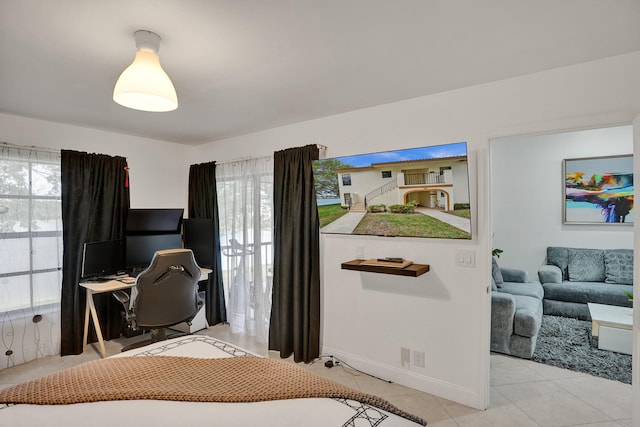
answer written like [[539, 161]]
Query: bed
[[193, 380]]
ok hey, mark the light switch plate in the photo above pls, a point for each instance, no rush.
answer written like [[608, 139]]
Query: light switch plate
[[465, 258]]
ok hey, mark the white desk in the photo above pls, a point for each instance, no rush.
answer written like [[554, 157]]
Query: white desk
[[109, 286], [98, 288]]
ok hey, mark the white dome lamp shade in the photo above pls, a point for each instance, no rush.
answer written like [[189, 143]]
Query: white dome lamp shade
[[144, 85]]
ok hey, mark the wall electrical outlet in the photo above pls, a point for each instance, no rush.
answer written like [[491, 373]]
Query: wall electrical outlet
[[418, 358], [405, 357], [360, 252]]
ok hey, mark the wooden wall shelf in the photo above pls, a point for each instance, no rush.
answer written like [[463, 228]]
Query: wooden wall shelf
[[412, 270]]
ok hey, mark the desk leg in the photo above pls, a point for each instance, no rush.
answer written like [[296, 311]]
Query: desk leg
[[86, 318], [96, 323]]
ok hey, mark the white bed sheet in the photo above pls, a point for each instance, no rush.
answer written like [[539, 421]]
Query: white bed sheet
[[319, 412]]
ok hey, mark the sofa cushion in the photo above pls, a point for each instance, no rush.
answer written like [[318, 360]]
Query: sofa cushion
[[586, 265], [528, 317], [618, 266], [523, 346], [584, 292], [496, 273], [566, 309]]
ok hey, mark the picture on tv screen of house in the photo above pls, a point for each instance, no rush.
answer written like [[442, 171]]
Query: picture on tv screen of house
[[414, 192]]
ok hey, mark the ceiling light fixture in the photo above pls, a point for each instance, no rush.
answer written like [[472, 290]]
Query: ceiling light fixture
[[144, 85]]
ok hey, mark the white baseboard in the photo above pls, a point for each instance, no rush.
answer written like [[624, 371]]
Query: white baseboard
[[453, 392]]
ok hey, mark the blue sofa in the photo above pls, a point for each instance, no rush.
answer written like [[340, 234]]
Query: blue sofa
[[574, 277], [516, 312]]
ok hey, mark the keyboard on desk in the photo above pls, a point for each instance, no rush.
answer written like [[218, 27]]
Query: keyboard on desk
[[103, 279], [96, 280]]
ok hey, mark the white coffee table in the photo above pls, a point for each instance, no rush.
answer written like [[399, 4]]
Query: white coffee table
[[613, 326]]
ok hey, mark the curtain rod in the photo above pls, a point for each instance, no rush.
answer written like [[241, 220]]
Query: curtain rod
[[30, 147], [240, 159], [57, 151]]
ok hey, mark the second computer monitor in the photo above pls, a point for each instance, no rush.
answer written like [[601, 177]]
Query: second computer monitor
[[140, 249], [198, 236], [101, 259]]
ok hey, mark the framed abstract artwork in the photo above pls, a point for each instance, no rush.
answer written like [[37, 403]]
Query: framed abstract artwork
[[598, 190]]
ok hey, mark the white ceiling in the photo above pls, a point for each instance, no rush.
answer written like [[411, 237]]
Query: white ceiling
[[248, 65]]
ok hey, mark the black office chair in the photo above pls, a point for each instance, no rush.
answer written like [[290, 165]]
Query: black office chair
[[165, 294]]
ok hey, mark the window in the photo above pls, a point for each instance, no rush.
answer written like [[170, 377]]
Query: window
[[245, 209], [30, 229], [346, 179], [386, 174]]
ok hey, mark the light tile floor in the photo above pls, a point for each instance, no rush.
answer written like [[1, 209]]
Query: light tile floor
[[523, 393]]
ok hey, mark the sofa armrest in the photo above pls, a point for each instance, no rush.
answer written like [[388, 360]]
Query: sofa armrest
[[503, 310], [514, 275], [503, 306], [550, 274]]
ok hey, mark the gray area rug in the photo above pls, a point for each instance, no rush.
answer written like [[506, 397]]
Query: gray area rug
[[567, 343]]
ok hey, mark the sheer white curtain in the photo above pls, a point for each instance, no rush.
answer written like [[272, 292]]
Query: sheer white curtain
[[30, 253], [245, 205]]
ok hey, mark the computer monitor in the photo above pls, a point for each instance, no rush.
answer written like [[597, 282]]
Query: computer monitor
[[154, 221], [140, 249], [198, 236], [100, 259]]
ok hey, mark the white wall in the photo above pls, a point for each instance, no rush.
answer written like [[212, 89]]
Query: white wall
[[445, 313], [156, 168], [368, 317], [527, 198]]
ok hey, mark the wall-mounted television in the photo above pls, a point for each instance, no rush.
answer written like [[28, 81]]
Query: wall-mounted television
[[414, 192]]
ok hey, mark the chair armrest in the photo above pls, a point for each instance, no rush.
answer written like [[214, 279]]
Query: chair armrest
[[122, 296], [125, 299], [514, 275], [550, 274]]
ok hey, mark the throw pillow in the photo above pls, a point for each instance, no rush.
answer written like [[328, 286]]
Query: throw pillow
[[618, 266], [494, 287], [586, 265], [496, 273]]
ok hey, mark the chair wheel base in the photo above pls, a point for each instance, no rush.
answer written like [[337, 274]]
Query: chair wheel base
[[157, 335]]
